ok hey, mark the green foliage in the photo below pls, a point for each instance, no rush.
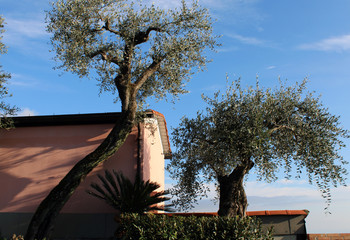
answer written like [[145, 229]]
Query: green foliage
[[130, 39], [5, 109], [274, 128], [14, 237], [158, 227], [134, 50], [129, 197]]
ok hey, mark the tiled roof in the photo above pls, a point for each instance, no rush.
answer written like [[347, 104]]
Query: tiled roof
[[278, 212], [163, 131], [329, 236], [249, 213]]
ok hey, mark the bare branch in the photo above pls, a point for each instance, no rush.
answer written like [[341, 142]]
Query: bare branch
[[149, 71], [109, 29], [142, 37], [103, 53], [281, 127]]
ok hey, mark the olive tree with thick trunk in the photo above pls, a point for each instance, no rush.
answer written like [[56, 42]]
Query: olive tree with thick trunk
[[255, 128], [135, 51]]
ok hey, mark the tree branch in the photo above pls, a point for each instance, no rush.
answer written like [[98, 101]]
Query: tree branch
[[104, 56], [281, 127], [99, 52], [182, 19], [142, 37], [148, 72], [108, 28]]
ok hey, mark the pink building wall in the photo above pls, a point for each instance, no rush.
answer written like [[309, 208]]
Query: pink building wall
[[153, 164], [34, 159]]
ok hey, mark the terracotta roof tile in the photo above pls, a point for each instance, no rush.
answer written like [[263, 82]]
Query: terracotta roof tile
[[250, 213], [164, 132], [328, 236], [278, 212]]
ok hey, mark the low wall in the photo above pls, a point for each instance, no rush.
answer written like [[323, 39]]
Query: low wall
[[68, 225]]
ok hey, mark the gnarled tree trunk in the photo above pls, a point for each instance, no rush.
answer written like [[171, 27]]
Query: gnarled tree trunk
[[233, 200], [42, 223]]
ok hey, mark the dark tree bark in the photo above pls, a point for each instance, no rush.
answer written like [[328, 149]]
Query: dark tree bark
[[42, 223], [233, 199], [43, 220]]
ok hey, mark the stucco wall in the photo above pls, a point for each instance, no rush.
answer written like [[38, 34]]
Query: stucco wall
[[34, 159], [153, 157]]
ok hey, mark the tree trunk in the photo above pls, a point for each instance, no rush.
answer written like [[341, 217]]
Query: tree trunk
[[42, 223], [233, 200]]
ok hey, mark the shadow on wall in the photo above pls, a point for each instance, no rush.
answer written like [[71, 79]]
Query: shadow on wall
[[14, 185], [43, 142]]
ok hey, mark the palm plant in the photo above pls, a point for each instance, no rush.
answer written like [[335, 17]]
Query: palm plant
[[129, 197]]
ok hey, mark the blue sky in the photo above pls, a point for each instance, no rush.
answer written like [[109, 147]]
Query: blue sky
[[290, 39]]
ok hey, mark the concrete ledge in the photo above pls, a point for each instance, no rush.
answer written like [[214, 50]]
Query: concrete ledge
[[68, 225]]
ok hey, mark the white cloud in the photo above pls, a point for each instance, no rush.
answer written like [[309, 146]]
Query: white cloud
[[229, 4], [227, 11], [27, 112], [31, 28], [246, 40], [292, 195], [340, 43], [217, 5], [227, 49], [236, 12], [27, 35], [164, 4], [280, 189], [21, 80], [284, 181], [271, 67]]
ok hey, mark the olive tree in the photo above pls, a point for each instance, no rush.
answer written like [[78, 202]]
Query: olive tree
[[5, 108], [265, 129], [133, 50]]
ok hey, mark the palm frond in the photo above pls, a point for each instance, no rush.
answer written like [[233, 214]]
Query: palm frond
[[129, 197]]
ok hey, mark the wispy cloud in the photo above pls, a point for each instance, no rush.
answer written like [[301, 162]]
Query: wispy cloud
[[246, 40], [229, 4], [31, 28], [281, 189], [271, 67], [291, 194], [216, 5], [338, 44], [227, 49], [27, 112], [27, 35], [165, 4], [21, 80], [240, 13], [39, 84]]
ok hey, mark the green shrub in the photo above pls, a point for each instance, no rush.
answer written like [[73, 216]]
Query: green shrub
[[14, 237], [150, 226]]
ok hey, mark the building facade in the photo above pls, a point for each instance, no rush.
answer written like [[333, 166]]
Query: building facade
[[40, 150]]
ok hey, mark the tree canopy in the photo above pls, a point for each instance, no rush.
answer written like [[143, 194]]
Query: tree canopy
[[5, 108], [134, 50], [113, 41], [265, 128]]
